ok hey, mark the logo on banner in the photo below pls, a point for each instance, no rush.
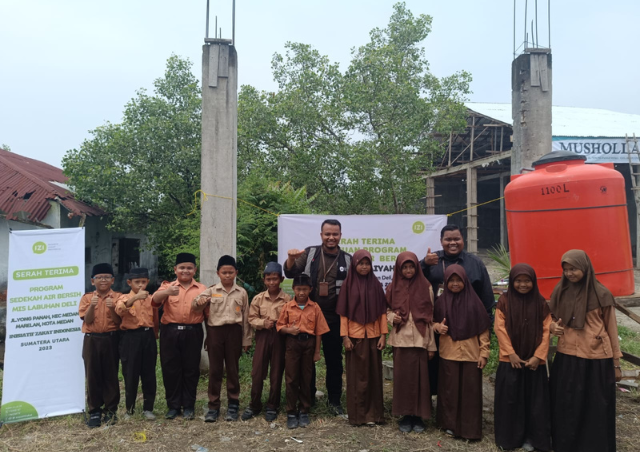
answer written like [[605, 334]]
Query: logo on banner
[[39, 247], [418, 227]]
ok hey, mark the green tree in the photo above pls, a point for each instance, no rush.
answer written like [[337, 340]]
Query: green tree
[[357, 140], [396, 105], [144, 171], [299, 133]]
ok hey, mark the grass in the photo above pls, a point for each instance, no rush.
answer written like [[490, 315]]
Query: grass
[[630, 343]]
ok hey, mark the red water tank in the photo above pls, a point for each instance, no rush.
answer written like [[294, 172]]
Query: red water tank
[[567, 204]]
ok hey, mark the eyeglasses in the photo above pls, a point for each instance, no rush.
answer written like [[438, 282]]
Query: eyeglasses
[[102, 278]]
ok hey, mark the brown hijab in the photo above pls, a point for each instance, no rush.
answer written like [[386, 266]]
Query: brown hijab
[[571, 301], [361, 298], [466, 315], [406, 296], [524, 313]]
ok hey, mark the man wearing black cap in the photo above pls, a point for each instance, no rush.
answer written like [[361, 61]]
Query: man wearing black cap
[[327, 265], [181, 337], [100, 347], [138, 349]]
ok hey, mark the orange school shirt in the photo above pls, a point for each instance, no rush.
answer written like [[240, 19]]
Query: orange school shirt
[[310, 319], [139, 315], [102, 322], [504, 341], [359, 331], [177, 308]]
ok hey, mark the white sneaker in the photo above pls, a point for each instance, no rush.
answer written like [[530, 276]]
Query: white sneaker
[[528, 447], [148, 415]]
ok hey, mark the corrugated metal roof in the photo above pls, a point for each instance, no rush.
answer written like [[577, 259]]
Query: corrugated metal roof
[[572, 121], [27, 186]]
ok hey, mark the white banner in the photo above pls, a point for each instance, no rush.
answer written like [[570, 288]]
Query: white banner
[[384, 236], [598, 150], [44, 373]]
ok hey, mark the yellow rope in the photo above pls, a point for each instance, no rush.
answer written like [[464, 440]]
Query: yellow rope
[[477, 205], [205, 195]]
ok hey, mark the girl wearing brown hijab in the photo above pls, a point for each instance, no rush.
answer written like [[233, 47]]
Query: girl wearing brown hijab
[[410, 301], [586, 366], [522, 323], [363, 327], [463, 325]]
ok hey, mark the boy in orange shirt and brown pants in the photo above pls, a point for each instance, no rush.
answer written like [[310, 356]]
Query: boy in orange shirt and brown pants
[[302, 321], [100, 347], [138, 349]]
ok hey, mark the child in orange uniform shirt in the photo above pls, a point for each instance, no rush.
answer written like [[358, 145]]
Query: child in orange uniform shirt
[[363, 326], [100, 347], [138, 348], [302, 321]]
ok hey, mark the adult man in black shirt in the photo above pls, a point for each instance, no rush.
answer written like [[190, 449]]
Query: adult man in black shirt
[[327, 265], [434, 264]]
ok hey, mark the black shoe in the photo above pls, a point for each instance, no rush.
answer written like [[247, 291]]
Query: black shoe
[[94, 420], [232, 413], [248, 414], [172, 414], [304, 420], [189, 414], [211, 416], [405, 424], [418, 425], [270, 415], [292, 421], [336, 410], [110, 418]]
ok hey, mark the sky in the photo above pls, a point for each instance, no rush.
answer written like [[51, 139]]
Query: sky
[[68, 66]]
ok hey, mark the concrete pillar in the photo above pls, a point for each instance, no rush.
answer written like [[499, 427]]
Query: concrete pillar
[[472, 210], [219, 155], [531, 107]]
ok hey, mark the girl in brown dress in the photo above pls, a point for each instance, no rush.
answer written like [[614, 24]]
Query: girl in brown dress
[[463, 325], [521, 409], [586, 366], [410, 301], [363, 327]]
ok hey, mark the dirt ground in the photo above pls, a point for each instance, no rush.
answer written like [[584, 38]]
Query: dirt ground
[[326, 433]]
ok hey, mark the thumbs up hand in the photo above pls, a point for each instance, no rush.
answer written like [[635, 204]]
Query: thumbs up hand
[[557, 328], [442, 328], [294, 329], [431, 258]]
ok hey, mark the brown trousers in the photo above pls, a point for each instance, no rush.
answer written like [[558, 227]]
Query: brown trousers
[[299, 365], [365, 401], [411, 394], [460, 398], [100, 355], [269, 352], [139, 353], [180, 361], [224, 345]]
